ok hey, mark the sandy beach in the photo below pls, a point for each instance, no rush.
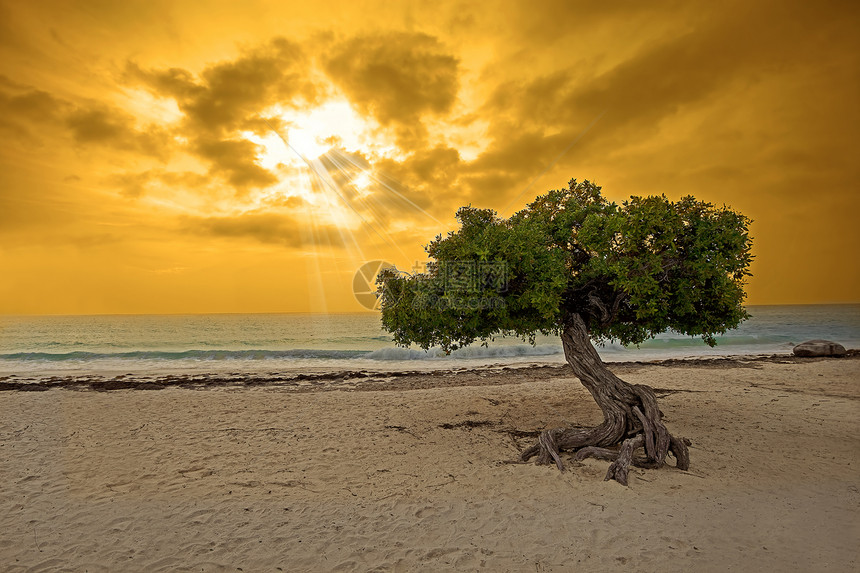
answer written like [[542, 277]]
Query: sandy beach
[[414, 473]]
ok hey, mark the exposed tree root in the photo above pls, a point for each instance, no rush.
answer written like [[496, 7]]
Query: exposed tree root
[[619, 468], [655, 440], [632, 419]]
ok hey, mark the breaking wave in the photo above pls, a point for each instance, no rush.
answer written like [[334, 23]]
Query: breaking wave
[[320, 354]]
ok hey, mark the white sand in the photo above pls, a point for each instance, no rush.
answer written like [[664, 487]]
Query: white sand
[[271, 480]]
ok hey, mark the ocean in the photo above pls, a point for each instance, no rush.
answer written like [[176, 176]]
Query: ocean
[[42, 346]]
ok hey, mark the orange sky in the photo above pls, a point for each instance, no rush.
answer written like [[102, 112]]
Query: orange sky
[[138, 175]]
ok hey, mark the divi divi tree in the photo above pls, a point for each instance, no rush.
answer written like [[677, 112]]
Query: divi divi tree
[[589, 270]]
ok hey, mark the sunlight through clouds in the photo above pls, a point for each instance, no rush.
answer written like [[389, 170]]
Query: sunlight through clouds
[[176, 126], [333, 124]]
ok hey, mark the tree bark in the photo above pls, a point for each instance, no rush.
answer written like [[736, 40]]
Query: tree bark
[[631, 418]]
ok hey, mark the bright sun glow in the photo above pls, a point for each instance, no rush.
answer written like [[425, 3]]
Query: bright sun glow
[[309, 135], [307, 144], [294, 153], [333, 124], [362, 181]]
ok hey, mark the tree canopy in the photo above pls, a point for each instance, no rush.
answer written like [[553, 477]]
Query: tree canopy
[[629, 270]]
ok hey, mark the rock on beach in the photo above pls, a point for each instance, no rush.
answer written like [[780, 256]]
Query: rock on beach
[[819, 348]]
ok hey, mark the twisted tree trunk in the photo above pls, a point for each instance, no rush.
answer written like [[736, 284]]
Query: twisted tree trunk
[[631, 418]]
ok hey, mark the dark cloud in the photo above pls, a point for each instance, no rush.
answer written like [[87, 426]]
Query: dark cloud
[[229, 95], [533, 103], [264, 227], [549, 23], [236, 90], [33, 104], [509, 165], [269, 228], [438, 180], [98, 124], [425, 182], [396, 77], [176, 83], [235, 160], [23, 107], [95, 126], [711, 54], [34, 115]]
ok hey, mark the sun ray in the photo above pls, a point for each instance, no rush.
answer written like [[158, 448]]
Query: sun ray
[[321, 174], [370, 175]]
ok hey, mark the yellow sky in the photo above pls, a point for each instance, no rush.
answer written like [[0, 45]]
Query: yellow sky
[[141, 171]]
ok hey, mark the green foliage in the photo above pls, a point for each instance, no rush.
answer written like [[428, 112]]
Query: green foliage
[[631, 271]]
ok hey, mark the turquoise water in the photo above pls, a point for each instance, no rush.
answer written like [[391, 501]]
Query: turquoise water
[[269, 342]]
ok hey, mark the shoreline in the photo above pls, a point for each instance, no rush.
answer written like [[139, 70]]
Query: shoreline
[[370, 379]]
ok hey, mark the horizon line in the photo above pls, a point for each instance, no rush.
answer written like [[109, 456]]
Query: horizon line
[[317, 313]]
